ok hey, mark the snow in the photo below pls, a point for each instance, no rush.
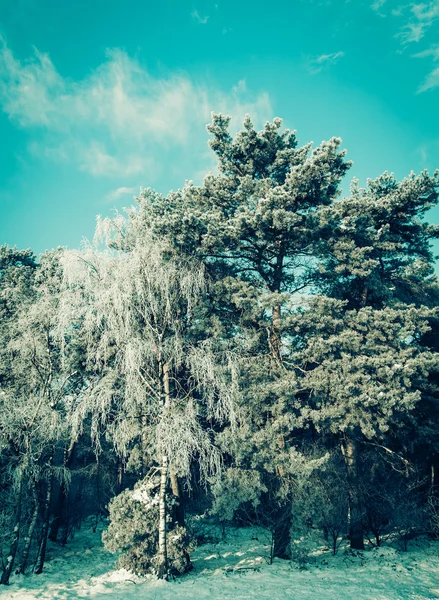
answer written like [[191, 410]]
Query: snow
[[237, 568]]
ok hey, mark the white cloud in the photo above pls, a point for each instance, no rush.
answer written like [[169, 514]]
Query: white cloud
[[318, 63], [432, 79], [241, 86], [119, 120], [202, 20], [418, 19], [422, 16], [118, 193], [97, 161], [426, 13], [433, 52], [427, 153], [413, 32], [377, 5]]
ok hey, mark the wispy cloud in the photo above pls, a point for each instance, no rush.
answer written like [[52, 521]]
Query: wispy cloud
[[414, 23], [319, 63], [427, 153], [432, 79], [432, 52], [241, 86], [197, 17], [120, 192], [119, 120], [377, 6], [421, 18]]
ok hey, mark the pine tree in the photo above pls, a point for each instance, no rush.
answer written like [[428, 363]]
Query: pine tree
[[255, 226], [377, 253]]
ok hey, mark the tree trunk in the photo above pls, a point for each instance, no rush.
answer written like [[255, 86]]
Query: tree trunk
[[162, 570], [144, 445], [274, 335], [59, 518], [350, 452], [30, 531], [282, 534], [178, 508], [120, 475], [45, 529], [276, 317], [16, 535]]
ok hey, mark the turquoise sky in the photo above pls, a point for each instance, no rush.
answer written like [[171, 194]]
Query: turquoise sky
[[100, 97]]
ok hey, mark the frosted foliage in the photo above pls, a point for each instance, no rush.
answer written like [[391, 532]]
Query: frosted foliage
[[38, 383], [133, 528], [216, 373], [259, 214], [181, 436], [135, 305], [367, 367], [234, 488]]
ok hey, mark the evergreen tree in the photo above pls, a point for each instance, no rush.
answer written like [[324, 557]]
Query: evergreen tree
[[377, 253], [255, 226]]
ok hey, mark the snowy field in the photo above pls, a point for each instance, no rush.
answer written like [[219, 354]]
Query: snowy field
[[237, 568]]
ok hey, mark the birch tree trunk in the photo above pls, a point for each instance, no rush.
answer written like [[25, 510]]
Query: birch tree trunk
[[16, 534], [144, 445], [45, 530], [162, 570], [120, 474], [350, 452], [178, 511], [30, 531]]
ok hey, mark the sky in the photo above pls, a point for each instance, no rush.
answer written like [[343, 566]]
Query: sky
[[101, 97]]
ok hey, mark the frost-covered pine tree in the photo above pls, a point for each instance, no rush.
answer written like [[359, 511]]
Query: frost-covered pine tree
[[360, 373], [377, 253], [255, 225], [257, 220]]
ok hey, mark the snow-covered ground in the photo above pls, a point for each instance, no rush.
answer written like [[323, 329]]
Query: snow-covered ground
[[237, 568]]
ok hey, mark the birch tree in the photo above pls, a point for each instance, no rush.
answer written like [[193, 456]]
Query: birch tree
[[138, 306], [32, 400]]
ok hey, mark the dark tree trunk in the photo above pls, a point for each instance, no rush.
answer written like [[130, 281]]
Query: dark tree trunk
[[274, 340], [45, 529], [30, 531], [350, 453], [178, 512], [282, 533], [275, 335], [178, 516], [59, 519], [16, 535]]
